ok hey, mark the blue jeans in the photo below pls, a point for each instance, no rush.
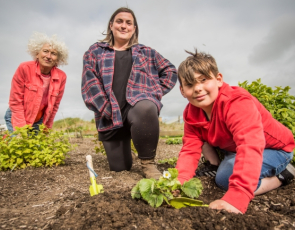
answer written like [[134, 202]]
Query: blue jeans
[[274, 162], [7, 119]]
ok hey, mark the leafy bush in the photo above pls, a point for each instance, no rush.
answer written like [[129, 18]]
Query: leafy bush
[[65, 123], [24, 148], [174, 141], [277, 101], [171, 161], [168, 188]]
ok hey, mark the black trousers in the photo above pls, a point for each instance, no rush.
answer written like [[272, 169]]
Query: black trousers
[[142, 126]]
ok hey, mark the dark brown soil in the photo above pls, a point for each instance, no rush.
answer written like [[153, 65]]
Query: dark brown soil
[[58, 198]]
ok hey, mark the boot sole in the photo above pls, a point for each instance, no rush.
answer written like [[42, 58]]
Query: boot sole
[[291, 169]]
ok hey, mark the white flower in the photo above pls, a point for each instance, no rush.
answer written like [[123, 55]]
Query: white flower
[[166, 174]]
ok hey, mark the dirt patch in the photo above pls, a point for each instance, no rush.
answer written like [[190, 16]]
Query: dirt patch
[[58, 198]]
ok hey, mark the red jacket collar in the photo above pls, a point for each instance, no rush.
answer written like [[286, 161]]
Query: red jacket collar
[[53, 72]]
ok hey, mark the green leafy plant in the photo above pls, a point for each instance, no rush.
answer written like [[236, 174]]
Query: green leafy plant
[[99, 148], [277, 101], [174, 141], [24, 147], [168, 189], [171, 161]]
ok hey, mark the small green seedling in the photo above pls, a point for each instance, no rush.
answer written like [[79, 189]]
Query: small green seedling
[[94, 188], [169, 189]]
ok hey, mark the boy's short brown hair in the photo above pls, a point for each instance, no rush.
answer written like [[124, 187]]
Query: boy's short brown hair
[[201, 63]]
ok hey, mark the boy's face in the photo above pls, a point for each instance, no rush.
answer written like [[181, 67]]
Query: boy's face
[[203, 92]]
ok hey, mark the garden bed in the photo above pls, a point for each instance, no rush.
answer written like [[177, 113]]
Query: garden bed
[[58, 198]]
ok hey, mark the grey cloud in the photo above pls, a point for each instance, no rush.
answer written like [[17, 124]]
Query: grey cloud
[[229, 29], [279, 40]]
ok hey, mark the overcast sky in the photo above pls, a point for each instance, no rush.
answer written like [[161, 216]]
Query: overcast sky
[[249, 39]]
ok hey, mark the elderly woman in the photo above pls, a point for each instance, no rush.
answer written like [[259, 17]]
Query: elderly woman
[[123, 83], [38, 86]]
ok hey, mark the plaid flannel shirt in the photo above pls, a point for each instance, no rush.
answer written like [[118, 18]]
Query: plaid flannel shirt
[[151, 77]]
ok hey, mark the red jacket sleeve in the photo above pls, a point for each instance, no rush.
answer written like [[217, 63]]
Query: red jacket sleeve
[[244, 122], [16, 99], [57, 102], [189, 155]]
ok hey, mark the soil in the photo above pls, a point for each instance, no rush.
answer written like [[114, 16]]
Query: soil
[[58, 198]]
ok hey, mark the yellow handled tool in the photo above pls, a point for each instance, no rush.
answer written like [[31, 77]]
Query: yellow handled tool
[[94, 188]]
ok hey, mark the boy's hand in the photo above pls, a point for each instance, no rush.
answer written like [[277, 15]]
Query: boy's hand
[[221, 204]]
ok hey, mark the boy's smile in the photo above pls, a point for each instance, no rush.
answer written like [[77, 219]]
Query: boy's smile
[[203, 92]]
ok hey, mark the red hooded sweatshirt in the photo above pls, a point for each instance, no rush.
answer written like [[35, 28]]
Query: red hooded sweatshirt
[[239, 123]]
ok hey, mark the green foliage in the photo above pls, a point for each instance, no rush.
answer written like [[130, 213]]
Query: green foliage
[[182, 202], [277, 101], [174, 141], [171, 161], [168, 188], [24, 148], [67, 122], [100, 147]]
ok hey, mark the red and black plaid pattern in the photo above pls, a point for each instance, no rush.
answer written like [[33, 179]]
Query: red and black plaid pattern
[[151, 77]]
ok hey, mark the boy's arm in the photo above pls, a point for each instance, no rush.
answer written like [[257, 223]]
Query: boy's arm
[[189, 155], [244, 122]]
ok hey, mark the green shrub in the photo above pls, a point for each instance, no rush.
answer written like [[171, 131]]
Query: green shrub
[[174, 141], [171, 161], [277, 101], [24, 148]]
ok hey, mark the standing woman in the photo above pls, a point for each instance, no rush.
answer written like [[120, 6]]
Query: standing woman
[[123, 83], [37, 86]]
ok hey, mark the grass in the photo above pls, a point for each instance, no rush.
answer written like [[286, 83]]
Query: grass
[[88, 128]]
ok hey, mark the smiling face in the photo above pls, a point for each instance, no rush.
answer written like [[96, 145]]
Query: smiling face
[[203, 92], [47, 58], [122, 28]]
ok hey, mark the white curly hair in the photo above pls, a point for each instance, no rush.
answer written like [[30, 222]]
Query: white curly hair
[[37, 41]]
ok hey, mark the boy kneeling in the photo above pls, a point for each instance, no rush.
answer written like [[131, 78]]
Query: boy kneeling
[[257, 148]]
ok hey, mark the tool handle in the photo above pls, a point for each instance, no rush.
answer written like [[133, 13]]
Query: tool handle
[[90, 165]]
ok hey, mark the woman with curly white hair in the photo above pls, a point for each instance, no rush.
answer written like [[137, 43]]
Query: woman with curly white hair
[[37, 86]]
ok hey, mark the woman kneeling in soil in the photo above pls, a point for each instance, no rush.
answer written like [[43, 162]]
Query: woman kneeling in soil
[[123, 83], [37, 86]]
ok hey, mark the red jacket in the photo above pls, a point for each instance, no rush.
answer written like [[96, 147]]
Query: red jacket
[[27, 91], [239, 123]]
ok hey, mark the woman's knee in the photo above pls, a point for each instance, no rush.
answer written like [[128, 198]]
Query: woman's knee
[[145, 108]]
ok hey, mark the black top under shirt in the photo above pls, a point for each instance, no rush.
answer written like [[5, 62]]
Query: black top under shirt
[[122, 70]]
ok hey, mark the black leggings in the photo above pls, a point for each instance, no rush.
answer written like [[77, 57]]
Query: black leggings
[[142, 126]]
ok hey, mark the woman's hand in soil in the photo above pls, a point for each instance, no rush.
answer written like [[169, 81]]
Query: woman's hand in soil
[[223, 205]]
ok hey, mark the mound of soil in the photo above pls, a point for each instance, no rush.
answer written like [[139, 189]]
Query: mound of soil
[[58, 198]]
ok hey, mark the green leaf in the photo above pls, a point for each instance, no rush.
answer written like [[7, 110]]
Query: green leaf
[[145, 187], [183, 202], [173, 172], [192, 188], [135, 192], [155, 200]]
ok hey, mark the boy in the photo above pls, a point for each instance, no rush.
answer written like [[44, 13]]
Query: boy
[[257, 147]]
